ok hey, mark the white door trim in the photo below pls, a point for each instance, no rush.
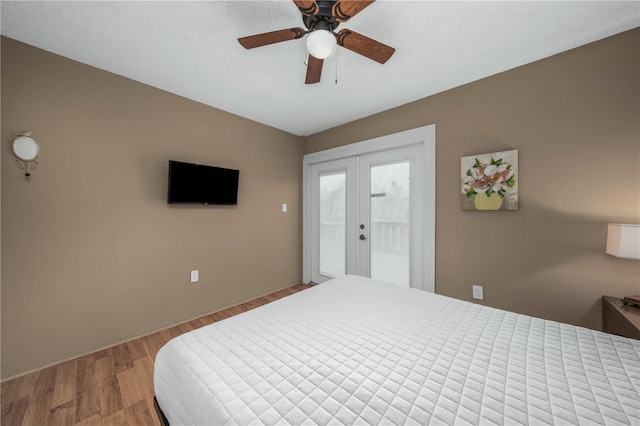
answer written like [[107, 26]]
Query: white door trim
[[425, 135]]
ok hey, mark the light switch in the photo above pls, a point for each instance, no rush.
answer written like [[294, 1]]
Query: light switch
[[478, 292], [284, 207]]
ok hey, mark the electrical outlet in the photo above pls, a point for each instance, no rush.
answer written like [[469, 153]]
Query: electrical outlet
[[478, 292], [194, 276], [284, 207]]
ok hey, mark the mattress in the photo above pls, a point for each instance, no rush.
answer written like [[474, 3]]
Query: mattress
[[358, 351]]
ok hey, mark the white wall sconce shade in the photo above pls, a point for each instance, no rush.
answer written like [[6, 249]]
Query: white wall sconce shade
[[623, 241], [25, 148]]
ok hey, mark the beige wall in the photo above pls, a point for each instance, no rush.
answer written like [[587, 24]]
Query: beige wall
[[574, 119], [92, 255]]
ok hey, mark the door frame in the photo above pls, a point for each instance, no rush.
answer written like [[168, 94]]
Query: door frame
[[425, 135]]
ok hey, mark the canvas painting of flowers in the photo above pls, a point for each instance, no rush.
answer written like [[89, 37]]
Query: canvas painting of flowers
[[490, 181]]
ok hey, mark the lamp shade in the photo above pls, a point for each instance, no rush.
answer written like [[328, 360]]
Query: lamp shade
[[623, 240], [321, 44]]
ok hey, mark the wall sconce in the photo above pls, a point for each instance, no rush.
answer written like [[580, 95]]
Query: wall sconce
[[26, 150], [623, 240]]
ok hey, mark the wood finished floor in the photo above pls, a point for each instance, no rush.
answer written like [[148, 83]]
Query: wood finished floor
[[110, 387]]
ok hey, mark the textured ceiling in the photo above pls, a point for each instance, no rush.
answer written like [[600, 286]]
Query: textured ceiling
[[190, 48]]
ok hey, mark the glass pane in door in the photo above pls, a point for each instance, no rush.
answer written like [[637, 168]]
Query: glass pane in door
[[390, 218], [333, 208]]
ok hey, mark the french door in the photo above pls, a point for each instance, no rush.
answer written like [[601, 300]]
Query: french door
[[333, 217], [367, 216], [390, 207]]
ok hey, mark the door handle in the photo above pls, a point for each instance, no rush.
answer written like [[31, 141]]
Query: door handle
[[362, 237]]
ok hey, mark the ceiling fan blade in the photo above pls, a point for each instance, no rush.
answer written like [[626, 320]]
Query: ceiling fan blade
[[307, 7], [314, 70], [346, 9], [271, 37], [365, 46]]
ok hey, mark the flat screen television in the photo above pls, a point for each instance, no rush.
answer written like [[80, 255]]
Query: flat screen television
[[198, 184]]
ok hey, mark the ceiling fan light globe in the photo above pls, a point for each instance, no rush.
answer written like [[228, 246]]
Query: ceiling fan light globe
[[321, 44]]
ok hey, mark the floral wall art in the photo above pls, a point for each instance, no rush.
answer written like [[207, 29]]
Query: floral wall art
[[490, 181]]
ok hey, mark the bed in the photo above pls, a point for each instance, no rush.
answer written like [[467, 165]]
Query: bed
[[358, 351]]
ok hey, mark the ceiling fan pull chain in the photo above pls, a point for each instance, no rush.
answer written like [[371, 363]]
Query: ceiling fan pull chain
[[337, 66]]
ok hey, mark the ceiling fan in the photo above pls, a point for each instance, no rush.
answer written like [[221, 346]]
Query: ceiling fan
[[321, 19]]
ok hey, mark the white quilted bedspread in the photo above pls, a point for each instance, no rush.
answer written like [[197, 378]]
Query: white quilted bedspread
[[357, 351]]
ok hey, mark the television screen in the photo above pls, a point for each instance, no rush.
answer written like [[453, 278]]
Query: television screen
[[198, 184]]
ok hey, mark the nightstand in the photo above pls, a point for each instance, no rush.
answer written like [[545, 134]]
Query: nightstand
[[620, 319]]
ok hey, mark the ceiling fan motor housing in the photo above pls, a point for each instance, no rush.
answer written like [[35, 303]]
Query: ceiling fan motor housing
[[323, 19]]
